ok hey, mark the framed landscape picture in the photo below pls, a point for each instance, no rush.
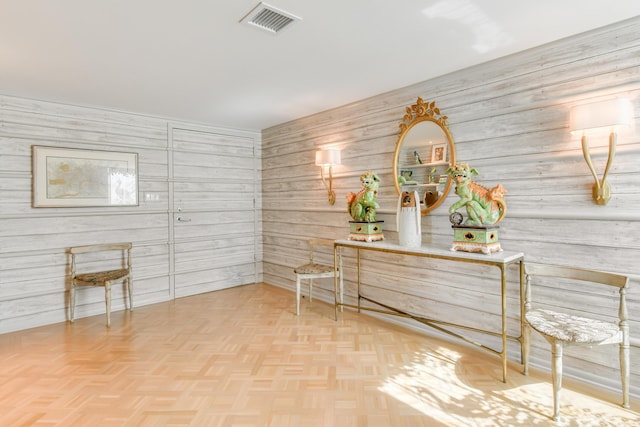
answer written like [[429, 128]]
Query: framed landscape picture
[[69, 177]]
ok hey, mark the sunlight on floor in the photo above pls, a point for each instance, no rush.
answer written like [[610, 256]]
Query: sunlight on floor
[[461, 391]]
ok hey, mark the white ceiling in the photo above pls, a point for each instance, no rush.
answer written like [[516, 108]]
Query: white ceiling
[[192, 60]]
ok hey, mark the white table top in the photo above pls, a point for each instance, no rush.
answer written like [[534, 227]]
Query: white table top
[[436, 251]]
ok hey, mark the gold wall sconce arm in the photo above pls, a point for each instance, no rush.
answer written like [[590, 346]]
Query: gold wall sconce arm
[[601, 189], [326, 159]]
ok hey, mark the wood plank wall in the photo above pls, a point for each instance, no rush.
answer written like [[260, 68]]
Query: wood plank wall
[[509, 119], [181, 165]]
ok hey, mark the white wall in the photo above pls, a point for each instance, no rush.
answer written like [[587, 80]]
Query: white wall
[[181, 165], [509, 119]]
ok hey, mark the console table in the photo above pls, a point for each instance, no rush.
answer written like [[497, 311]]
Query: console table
[[501, 260]]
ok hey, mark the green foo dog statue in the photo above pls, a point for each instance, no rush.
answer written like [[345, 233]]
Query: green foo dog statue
[[484, 206], [362, 208]]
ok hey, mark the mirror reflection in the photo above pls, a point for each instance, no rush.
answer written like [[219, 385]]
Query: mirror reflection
[[424, 152]]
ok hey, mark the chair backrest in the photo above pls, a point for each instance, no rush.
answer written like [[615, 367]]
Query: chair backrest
[[126, 246], [581, 274], [575, 273], [315, 244]]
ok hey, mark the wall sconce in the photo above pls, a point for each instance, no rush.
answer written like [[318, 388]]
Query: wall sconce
[[328, 158], [598, 118]]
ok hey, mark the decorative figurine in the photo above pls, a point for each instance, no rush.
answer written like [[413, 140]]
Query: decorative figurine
[[485, 208], [432, 176], [417, 158], [362, 208]]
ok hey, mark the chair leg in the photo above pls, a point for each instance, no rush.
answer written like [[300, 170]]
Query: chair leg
[[526, 342], [556, 376], [297, 295], [72, 302], [624, 372], [130, 289], [310, 291], [107, 298]]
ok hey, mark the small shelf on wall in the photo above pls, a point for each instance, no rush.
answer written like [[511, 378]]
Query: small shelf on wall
[[424, 165], [419, 186]]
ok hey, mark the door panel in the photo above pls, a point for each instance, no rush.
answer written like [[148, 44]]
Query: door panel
[[214, 228]]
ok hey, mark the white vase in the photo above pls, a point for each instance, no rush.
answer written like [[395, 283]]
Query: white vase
[[408, 218]]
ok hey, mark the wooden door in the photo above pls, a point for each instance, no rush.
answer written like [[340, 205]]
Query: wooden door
[[215, 231]]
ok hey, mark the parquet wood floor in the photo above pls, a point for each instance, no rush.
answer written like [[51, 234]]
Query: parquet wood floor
[[241, 357]]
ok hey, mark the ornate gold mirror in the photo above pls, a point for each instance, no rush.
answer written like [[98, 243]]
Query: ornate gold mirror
[[424, 152]]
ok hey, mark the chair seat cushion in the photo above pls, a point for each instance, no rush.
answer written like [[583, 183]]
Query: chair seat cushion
[[102, 276], [313, 269], [569, 328]]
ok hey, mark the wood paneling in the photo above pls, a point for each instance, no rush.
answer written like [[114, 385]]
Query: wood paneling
[[214, 173], [509, 118]]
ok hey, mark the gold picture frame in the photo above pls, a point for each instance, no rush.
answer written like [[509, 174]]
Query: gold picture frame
[[438, 153], [70, 177]]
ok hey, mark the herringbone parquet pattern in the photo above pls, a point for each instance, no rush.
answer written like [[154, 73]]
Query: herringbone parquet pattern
[[241, 357]]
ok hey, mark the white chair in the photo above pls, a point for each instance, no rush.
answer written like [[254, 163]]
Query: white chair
[[120, 270], [564, 329], [313, 270]]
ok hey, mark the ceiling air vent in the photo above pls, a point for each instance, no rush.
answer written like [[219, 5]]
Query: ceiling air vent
[[269, 18]]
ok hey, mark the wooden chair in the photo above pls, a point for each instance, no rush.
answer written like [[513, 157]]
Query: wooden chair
[[313, 270], [564, 329], [104, 277]]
